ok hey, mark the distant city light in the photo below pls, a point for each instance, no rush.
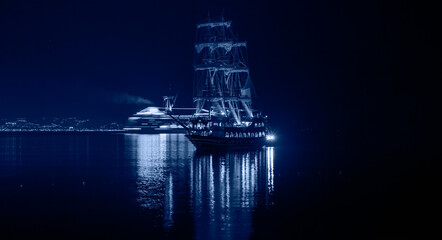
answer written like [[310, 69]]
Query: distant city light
[[131, 128]]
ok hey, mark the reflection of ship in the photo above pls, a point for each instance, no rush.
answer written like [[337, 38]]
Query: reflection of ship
[[222, 189], [224, 117], [226, 188], [155, 120]]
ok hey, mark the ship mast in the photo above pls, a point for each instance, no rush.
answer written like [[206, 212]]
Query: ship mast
[[222, 82]]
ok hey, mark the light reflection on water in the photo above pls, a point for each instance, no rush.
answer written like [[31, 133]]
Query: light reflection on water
[[220, 189], [10, 156], [132, 184]]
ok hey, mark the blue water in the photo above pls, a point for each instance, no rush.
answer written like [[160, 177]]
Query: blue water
[[130, 186]]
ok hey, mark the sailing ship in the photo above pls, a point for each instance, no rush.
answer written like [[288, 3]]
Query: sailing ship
[[224, 116]]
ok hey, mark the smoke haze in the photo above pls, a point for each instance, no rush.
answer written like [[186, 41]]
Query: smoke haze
[[120, 98], [125, 98]]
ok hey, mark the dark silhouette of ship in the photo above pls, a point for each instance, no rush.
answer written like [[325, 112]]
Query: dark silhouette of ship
[[224, 117]]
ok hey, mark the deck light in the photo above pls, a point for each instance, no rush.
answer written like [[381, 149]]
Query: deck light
[[270, 137]]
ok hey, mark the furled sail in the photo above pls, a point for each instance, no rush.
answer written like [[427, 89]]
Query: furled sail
[[246, 89]]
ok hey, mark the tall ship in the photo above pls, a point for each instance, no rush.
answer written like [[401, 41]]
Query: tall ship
[[224, 115]]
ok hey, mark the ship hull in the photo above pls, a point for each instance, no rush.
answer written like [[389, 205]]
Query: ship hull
[[221, 143]]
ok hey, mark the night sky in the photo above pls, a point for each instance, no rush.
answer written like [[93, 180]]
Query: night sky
[[321, 65], [362, 73]]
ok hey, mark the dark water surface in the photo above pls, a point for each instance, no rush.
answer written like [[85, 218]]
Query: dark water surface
[[157, 186]]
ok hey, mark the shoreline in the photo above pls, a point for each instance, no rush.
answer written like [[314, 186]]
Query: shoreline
[[61, 132]]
